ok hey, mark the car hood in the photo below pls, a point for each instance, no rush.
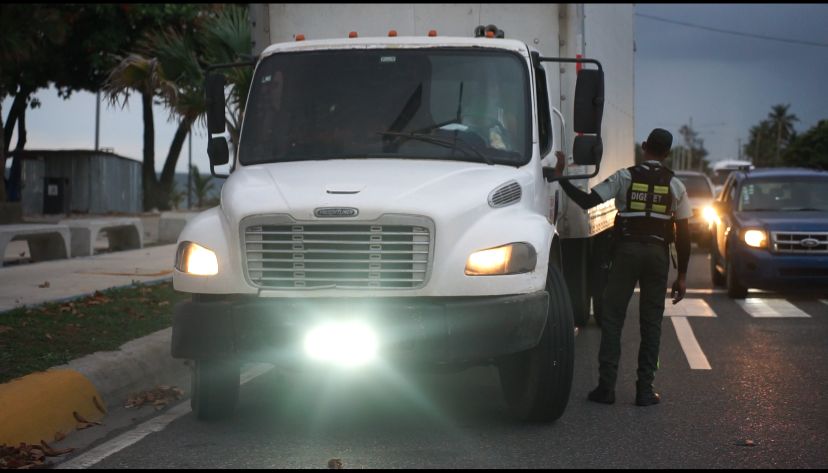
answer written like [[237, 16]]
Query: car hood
[[785, 221], [373, 186]]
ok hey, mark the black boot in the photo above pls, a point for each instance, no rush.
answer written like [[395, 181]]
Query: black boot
[[645, 396], [602, 395]]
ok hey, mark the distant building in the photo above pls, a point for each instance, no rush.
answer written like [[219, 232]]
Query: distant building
[[79, 181]]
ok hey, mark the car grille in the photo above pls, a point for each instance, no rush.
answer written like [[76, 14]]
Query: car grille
[[393, 253], [800, 242]]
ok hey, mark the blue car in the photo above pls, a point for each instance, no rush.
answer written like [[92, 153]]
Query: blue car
[[771, 231]]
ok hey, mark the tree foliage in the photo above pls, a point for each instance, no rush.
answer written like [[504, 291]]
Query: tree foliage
[[770, 137], [809, 149]]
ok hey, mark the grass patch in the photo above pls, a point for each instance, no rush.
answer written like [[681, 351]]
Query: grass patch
[[36, 338]]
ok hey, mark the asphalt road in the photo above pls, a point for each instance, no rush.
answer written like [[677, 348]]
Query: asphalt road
[[763, 403]]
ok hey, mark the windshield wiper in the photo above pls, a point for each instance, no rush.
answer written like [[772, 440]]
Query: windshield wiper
[[451, 144]]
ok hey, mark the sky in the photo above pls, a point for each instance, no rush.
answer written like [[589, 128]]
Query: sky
[[724, 83]]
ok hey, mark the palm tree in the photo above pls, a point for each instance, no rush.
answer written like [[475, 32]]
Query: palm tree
[[201, 186], [782, 122], [144, 75]]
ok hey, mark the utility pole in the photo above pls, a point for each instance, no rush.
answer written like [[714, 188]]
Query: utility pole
[[190, 169], [739, 150], [97, 120]]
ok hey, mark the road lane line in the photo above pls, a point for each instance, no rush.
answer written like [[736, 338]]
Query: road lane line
[[692, 350], [771, 308], [824, 301], [696, 291], [156, 424], [688, 308]]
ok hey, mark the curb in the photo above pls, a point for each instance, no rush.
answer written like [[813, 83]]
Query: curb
[[36, 406]]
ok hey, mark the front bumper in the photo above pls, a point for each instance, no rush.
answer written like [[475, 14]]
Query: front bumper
[[431, 330], [762, 269]]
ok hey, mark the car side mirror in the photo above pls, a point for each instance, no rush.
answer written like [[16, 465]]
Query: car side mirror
[[587, 150], [215, 101], [217, 151], [589, 101]]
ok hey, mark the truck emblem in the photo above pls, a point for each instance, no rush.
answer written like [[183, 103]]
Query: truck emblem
[[333, 212], [809, 242]]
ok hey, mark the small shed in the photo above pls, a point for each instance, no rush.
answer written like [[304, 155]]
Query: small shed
[[79, 181]]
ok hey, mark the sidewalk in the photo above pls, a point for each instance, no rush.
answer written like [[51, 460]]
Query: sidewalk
[[22, 285]]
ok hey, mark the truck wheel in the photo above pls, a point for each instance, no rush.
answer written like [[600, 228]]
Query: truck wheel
[[215, 388], [536, 383], [717, 277], [574, 252], [735, 289]]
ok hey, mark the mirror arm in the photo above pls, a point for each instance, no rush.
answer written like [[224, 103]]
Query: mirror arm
[[549, 174], [216, 174]]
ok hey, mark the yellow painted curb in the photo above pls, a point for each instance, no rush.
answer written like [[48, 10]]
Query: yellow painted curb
[[38, 406]]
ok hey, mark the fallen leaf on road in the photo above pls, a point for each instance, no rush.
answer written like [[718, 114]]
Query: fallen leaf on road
[[81, 420], [44, 285], [159, 397], [163, 303], [48, 337], [26, 456], [98, 405], [59, 436], [335, 464], [4, 329], [51, 452]]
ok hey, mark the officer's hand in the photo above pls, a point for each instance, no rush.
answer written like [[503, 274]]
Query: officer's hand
[[679, 289], [559, 166]]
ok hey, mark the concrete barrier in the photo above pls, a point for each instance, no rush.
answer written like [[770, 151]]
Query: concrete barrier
[[46, 241], [124, 233], [171, 224]]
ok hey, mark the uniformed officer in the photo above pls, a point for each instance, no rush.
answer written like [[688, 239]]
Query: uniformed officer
[[649, 202]]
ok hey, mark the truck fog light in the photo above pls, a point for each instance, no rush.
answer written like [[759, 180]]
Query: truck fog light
[[196, 260], [755, 238], [347, 344], [513, 258]]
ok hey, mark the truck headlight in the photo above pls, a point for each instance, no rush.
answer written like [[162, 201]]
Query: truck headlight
[[755, 238], [194, 259], [513, 258]]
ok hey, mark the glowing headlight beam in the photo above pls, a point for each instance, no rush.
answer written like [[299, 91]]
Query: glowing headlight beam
[[709, 214], [756, 238], [491, 261], [196, 260], [348, 344]]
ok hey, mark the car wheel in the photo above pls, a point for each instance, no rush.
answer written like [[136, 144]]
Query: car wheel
[[735, 289], [536, 383], [215, 388]]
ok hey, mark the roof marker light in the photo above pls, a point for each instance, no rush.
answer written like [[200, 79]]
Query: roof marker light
[[432, 33], [352, 34], [490, 34], [392, 33], [300, 37]]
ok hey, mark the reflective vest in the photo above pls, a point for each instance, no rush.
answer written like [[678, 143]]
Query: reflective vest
[[648, 214]]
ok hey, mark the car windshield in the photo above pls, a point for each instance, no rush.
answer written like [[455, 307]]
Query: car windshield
[[452, 104], [788, 194], [697, 186]]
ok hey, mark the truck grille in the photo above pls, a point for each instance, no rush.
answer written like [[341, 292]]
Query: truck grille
[[800, 242], [377, 255]]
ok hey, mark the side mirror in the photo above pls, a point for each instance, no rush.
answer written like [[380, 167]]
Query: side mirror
[[214, 89], [217, 151], [589, 101], [587, 150]]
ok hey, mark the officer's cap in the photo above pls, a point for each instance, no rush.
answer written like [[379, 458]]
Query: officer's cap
[[659, 142]]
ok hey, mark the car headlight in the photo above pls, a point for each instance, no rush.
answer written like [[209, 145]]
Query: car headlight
[[513, 258], [755, 238], [194, 259], [709, 214]]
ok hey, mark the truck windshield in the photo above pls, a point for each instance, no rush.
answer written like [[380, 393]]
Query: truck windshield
[[451, 104], [788, 195]]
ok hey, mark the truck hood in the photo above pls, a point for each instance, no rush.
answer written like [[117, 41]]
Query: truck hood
[[373, 186], [785, 221]]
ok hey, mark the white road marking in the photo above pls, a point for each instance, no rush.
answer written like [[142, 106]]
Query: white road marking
[[688, 308], [156, 424], [697, 291], [770, 308], [824, 301], [692, 350]]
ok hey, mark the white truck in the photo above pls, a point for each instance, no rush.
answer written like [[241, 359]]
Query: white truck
[[392, 200]]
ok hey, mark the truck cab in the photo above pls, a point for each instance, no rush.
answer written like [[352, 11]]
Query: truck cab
[[388, 204]]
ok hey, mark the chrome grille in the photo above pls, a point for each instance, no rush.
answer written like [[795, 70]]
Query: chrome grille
[[505, 195], [389, 254], [798, 242]]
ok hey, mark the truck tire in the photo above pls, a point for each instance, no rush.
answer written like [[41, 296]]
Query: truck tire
[[536, 383], [215, 388], [575, 268], [735, 289]]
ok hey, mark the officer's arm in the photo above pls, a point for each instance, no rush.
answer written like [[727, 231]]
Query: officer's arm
[[584, 200], [683, 245]]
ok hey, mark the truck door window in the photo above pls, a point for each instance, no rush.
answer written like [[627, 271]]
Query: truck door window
[[335, 104]]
